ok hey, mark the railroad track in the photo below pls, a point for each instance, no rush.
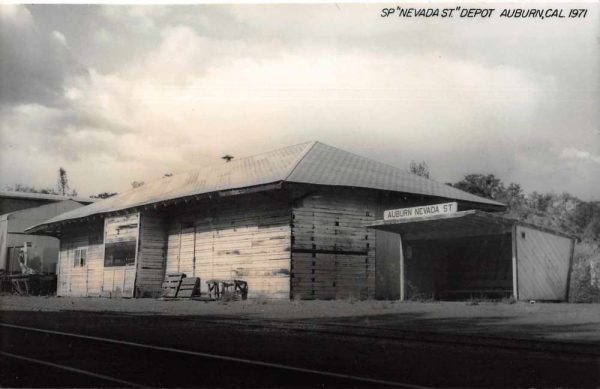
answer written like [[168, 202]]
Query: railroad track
[[78, 360], [567, 349]]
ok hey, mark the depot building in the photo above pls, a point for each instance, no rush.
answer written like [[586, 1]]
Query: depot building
[[307, 221]]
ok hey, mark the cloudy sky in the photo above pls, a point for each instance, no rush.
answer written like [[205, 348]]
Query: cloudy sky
[[116, 94]]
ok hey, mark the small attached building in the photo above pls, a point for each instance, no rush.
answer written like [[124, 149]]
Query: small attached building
[[40, 252], [292, 223], [470, 254]]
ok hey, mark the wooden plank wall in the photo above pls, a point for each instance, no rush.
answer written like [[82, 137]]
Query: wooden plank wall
[[152, 253], [543, 261], [333, 253], [420, 270], [387, 266], [95, 261], [119, 281], [81, 280], [243, 237]]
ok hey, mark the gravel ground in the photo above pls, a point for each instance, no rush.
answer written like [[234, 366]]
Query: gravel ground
[[567, 322]]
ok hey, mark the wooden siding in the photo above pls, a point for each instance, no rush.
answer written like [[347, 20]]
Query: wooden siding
[[543, 261], [152, 252], [246, 237], [388, 266], [119, 281], [333, 253], [81, 280], [95, 263]]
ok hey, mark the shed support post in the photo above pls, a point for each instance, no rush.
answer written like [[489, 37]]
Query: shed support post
[[515, 277], [401, 269], [568, 288]]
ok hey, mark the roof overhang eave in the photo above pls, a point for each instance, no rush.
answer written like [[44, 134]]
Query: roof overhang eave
[[44, 228], [467, 223], [491, 204]]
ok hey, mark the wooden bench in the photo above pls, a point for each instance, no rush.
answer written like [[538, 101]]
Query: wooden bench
[[241, 287], [219, 288], [214, 289]]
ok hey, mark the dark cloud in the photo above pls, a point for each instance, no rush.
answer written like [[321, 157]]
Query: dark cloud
[[33, 62], [155, 88]]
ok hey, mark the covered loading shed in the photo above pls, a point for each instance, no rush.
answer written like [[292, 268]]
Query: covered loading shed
[[470, 254]]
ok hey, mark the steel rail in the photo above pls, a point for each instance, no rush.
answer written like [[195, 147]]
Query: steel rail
[[219, 357], [418, 336], [74, 370]]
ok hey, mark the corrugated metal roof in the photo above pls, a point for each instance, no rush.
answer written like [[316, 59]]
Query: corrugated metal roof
[[19, 212], [327, 165], [310, 163], [43, 196]]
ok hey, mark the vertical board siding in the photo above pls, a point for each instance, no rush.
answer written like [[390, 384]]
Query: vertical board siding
[[119, 281], [387, 270], [78, 278], [95, 265], [81, 280], [246, 238], [62, 270], [152, 251], [542, 264], [333, 253]]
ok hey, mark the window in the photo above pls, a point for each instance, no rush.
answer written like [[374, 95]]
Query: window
[[119, 253], [80, 257]]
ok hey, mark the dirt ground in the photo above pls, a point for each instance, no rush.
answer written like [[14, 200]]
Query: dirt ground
[[543, 321]]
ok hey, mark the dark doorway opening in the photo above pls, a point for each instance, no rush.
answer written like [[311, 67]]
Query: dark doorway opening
[[458, 268]]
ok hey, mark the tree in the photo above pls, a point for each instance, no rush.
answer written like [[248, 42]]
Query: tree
[[513, 195], [63, 181], [30, 189], [586, 218], [482, 185], [420, 169], [515, 192], [137, 184], [540, 202], [103, 195]]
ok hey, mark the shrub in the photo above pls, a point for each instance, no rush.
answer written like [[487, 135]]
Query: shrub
[[585, 274]]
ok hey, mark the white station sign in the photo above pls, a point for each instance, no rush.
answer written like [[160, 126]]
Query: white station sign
[[425, 210]]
